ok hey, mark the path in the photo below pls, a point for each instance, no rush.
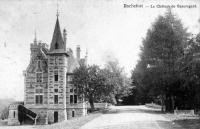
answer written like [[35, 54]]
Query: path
[[130, 117]]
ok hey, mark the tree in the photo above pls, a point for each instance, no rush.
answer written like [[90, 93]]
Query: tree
[[117, 79], [91, 83], [4, 113], [156, 72], [189, 66]]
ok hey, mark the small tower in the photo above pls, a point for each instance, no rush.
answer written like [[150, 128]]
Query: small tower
[[13, 115], [57, 70], [35, 39], [34, 46]]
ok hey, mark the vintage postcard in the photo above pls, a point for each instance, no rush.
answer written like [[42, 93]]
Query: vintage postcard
[[100, 64]]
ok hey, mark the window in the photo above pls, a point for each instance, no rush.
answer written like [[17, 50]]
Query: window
[[56, 90], [38, 99], [71, 98], [56, 75], [73, 113], [69, 79], [75, 90], [55, 78], [39, 96], [55, 99], [75, 98], [14, 114], [55, 116], [39, 77], [56, 45]]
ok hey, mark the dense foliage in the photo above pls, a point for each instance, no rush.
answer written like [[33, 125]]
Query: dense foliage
[[117, 80], [90, 83], [94, 84], [167, 71]]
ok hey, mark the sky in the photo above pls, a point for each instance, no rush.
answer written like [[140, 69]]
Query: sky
[[103, 27]]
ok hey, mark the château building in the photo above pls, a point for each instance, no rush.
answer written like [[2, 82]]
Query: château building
[[49, 95]]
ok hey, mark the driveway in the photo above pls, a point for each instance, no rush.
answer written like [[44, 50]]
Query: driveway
[[130, 117]]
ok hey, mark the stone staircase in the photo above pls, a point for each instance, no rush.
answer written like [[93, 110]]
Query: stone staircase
[[26, 115], [18, 114]]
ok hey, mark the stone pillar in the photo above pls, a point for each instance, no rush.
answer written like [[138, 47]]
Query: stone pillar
[[46, 120], [35, 120]]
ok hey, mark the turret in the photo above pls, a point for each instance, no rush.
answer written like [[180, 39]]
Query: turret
[[57, 69], [35, 39], [34, 46], [86, 57]]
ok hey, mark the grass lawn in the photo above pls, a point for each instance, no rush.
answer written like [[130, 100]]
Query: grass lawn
[[74, 123], [184, 122], [178, 121], [188, 123]]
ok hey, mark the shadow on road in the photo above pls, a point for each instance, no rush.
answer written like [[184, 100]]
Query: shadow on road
[[132, 110], [160, 123], [156, 111]]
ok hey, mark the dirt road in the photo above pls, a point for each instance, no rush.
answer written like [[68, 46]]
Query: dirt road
[[130, 117]]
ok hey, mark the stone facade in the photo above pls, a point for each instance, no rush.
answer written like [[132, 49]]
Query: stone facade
[[49, 91]]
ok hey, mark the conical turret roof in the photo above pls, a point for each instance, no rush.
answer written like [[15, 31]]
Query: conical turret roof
[[57, 40]]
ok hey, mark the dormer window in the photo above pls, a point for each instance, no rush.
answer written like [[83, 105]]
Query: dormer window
[[56, 45], [38, 77], [39, 68]]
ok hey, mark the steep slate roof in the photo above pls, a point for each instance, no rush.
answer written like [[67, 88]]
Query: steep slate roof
[[57, 43], [41, 55]]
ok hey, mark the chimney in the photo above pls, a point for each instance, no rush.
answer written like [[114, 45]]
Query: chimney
[[65, 38], [86, 57], [35, 38], [78, 50]]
